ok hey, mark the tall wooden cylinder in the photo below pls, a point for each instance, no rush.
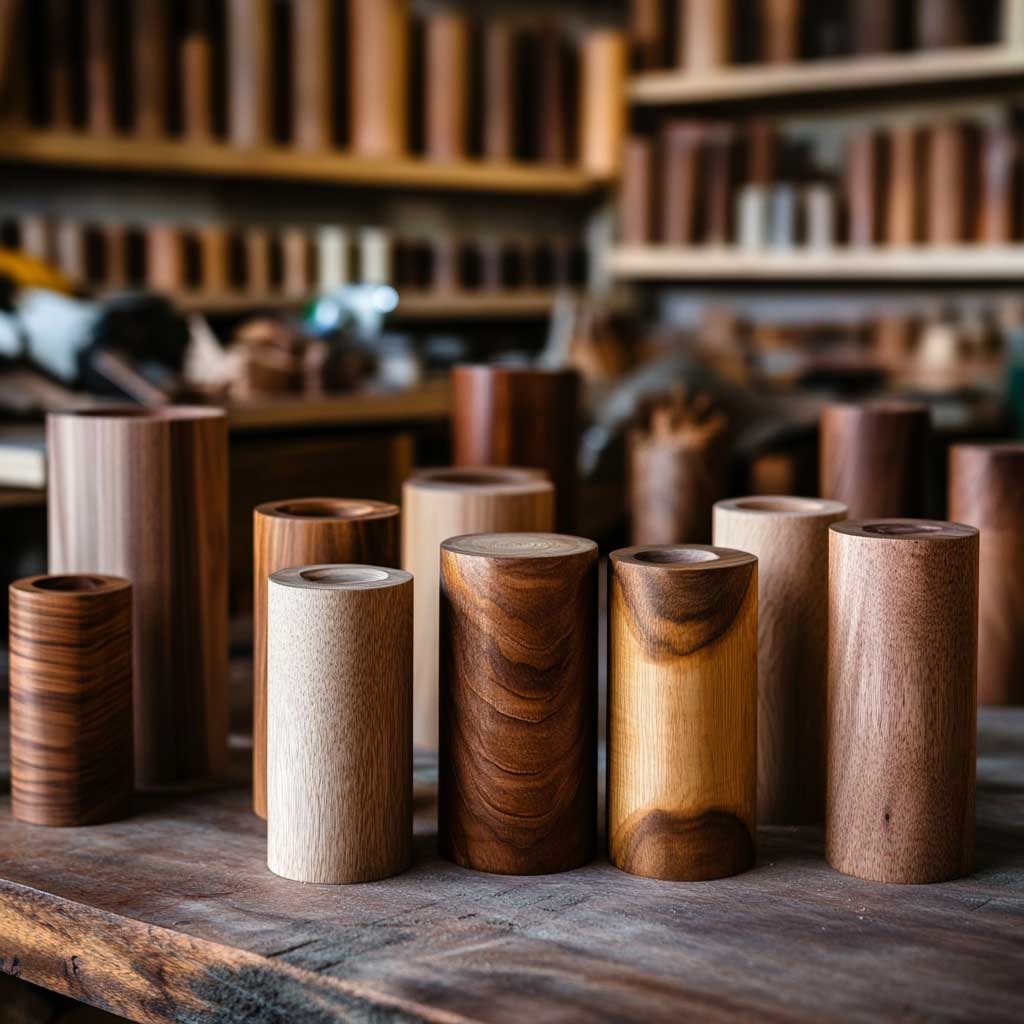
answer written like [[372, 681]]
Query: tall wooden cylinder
[[249, 80], [144, 494], [603, 63], [789, 536], [874, 457], [312, 110], [517, 782], [304, 531], [442, 503], [780, 29], [986, 490], [903, 634], [339, 731], [71, 699], [446, 118], [378, 48], [499, 92], [682, 711], [706, 36]]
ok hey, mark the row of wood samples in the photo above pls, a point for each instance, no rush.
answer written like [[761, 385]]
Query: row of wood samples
[[372, 77]]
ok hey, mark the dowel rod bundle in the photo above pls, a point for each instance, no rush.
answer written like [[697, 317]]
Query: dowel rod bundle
[[517, 771], [304, 531], [682, 711], [903, 632], [339, 729], [442, 503], [789, 536], [71, 699], [379, 43], [603, 63]]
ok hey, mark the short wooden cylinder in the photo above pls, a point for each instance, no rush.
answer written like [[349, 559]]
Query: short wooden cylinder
[[903, 607], [874, 457], [143, 494], [682, 711], [442, 503], [71, 699], [517, 786], [306, 531], [789, 536], [339, 723], [986, 490]]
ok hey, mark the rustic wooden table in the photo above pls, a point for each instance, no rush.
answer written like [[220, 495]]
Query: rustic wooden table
[[173, 916]]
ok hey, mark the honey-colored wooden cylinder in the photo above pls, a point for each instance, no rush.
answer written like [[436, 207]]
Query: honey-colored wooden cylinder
[[197, 73], [143, 494], [442, 503], [682, 711], [905, 204], [903, 634], [304, 531], [378, 47], [781, 29], [446, 117], [706, 34], [517, 770], [874, 457], [339, 729], [603, 63], [71, 699], [789, 536], [986, 490]]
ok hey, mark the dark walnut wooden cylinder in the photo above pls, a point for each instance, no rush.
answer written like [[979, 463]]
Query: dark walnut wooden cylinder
[[307, 531], [789, 536], [874, 457], [144, 494], [682, 711], [986, 490], [518, 761], [508, 416], [71, 699], [903, 633]]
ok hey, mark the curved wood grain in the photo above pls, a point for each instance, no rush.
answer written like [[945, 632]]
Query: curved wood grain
[[517, 775], [903, 621], [306, 531], [682, 711], [71, 699]]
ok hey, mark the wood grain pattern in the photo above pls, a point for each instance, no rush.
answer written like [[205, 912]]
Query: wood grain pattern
[[442, 503], [312, 113], [71, 699], [903, 634], [446, 114], [517, 776], [602, 126], [307, 531], [144, 494], [789, 536], [682, 711], [874, 457], [247, 26], [986, 490], [378, 47], [339, 731], [705, 39]]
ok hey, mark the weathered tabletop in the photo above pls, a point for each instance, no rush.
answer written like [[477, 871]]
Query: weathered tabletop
[[172, 915]]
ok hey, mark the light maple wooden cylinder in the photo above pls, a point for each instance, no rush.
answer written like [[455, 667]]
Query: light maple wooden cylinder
[[143, 494], [986, 490], [307, 531], [339, 728], [789, 536], [603, 63], [682, 711], [903, 633], [378, 47]]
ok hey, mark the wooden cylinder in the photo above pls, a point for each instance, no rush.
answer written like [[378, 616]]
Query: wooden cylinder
[[789, 536], [165, 259], [144, 494], [636, 192], [442, 503], [905, 201], [71, 699], [499, 93], [682, 711], [303, 531], [949, 166], [872, 27], [378, 46], [603, 60], [257, 261], [517, 771], [312, 112], [446, 118], [903, 634], [680, 176], [874, 457], [151, 28], [863, 187], [986, 490], [339, 736], [213, 240], [296, 259], [248, 72], [197, 73], [706, 34], [781, 30]]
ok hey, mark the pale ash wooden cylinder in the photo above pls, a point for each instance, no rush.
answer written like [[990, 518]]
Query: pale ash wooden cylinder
[[339, 723], [442, 503], [903, 630], [789, 536], [682, 711]]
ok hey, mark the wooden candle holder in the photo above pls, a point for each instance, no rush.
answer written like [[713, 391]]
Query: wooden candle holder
[[339, 737], [144, 494], [682, 711], [517, 782], [903, 634], [789, 536], [71, 699]]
